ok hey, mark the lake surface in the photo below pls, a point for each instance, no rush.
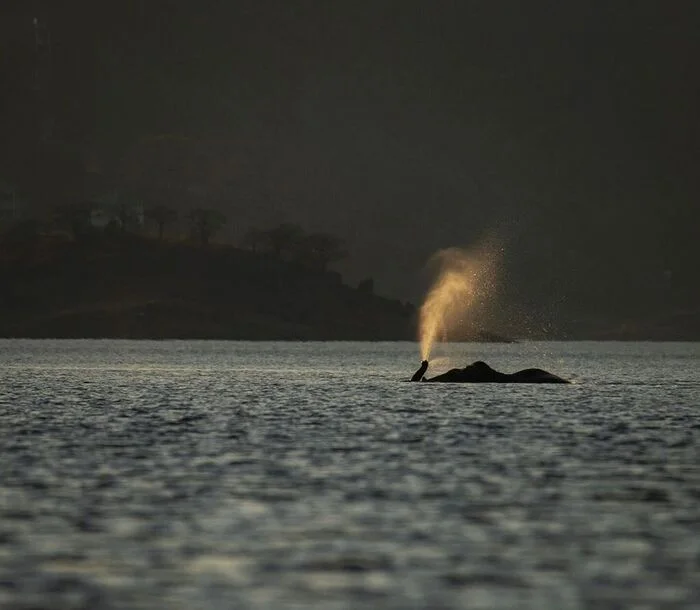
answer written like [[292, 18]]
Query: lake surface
[[187, 475]]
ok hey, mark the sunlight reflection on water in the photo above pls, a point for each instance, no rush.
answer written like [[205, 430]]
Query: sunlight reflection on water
[[221, 474]]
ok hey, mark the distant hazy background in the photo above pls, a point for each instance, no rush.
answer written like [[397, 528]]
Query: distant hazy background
[[569, 129]]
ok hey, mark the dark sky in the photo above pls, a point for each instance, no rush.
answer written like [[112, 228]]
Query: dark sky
[[571, 129]]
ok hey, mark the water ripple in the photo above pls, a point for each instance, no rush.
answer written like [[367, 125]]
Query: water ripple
[[219, 475]]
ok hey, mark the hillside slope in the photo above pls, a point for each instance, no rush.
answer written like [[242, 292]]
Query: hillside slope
[[138, 288]]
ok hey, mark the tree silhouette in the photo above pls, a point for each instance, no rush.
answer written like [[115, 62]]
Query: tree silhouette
[[366, 286], [322, 249], [255, 239], [126, 215], [161, 215], [22, 231], [284, 239], [76, 218], [204, 223], [175, 170]]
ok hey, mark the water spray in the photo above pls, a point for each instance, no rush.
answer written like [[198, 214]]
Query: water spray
[[465, 277]]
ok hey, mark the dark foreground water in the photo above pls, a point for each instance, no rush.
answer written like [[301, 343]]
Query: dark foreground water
[[244, 475]]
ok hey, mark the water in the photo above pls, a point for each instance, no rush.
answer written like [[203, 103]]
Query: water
[[191, 475]]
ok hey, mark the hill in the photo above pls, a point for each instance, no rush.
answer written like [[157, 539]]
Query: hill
[[132, 287]]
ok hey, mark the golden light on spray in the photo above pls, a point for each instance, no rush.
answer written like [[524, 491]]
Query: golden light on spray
[[466, 277]]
